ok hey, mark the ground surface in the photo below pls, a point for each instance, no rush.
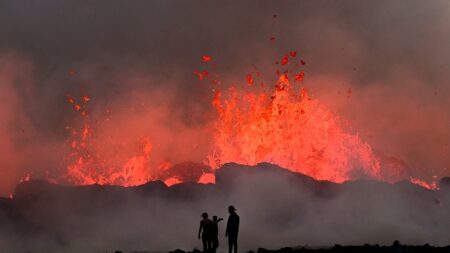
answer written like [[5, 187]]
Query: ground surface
[[397, 248]]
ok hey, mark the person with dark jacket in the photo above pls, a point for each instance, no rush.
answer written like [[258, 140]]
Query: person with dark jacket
[[232, 229], [215, 233], [206, 226]]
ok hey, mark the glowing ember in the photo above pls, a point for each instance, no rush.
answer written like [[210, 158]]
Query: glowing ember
[[249, 79], [299, 76], [206, 58], [85, 98], [285, 60], [201, 74], [26, 178]]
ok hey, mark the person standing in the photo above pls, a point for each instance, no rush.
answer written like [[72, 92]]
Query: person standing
[[215, 233], [232, 229], [205, 231]]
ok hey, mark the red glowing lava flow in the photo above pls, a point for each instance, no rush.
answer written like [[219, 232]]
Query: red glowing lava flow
[[280, 123]]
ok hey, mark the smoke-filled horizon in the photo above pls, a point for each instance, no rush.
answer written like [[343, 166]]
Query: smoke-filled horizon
[[277, 209], [136, 62]]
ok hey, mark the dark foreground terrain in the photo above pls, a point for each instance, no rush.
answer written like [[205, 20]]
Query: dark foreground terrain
[[394, 248], [363, 249], [277, 208]]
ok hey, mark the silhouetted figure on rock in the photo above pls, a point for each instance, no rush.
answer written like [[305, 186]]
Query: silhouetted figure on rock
[[232, 229], [396, 247], [206, 226], [215, 233]]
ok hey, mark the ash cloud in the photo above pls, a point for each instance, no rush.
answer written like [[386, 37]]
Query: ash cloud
[[394, 56]]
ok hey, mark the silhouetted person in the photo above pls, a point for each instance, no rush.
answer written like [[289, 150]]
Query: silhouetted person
[[232, 229], [215, 233], [205, 231]]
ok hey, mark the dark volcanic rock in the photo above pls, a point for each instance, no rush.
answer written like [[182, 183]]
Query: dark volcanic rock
[[186, 171], [444, 183], [366, 248], [5, 209], [278, 208], [232, 174]]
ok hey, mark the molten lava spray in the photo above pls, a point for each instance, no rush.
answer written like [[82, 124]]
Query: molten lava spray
[[89, 167], [392, 91], [279, 123], [285, 126], [129, 147]]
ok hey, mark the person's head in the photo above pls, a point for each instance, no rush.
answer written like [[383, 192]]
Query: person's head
[[205, 215], [231, 209], [214, 218]]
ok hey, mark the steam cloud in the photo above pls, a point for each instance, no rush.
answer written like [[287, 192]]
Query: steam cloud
[[137, 59]]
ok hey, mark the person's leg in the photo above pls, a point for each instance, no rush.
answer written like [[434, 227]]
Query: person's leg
[[205, 244], [210, 245], [230, 244], [234, 240], [215, 243]]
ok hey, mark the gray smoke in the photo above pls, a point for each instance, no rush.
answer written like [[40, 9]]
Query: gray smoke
[[277, 209]]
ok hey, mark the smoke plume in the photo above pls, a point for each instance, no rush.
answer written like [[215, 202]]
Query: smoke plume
[[135, 60]]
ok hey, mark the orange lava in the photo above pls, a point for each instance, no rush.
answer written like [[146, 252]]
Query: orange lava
[[283, 125], [94, 160], [430, 186], [87, 166], [289, 128]]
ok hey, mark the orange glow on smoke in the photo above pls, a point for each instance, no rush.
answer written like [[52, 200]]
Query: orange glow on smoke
[[88, 167], [283, 125], [118, 160]]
